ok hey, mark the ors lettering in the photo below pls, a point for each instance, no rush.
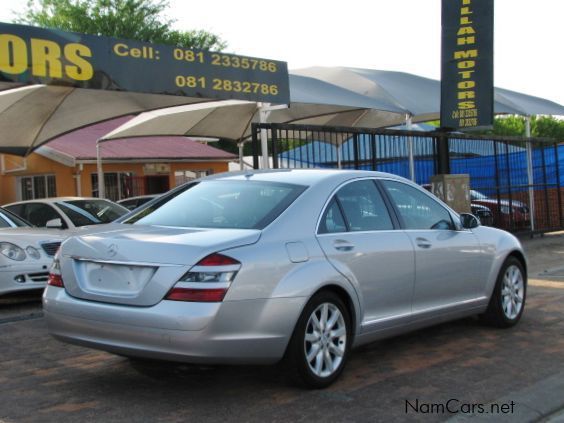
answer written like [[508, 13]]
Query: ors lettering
[[45, 58], [12, 50]]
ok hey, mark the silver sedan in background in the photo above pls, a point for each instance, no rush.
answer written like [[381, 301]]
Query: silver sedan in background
[[303, 265]]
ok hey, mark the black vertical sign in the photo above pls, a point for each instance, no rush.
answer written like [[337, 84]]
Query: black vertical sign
[[467, 64]]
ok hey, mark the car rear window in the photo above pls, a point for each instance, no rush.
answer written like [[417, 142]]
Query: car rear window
[[221, 204]]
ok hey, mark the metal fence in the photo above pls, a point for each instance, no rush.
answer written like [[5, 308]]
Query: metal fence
[[519, 180]]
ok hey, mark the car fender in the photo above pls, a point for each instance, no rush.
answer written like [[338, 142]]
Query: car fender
[[501, 247], [309, 277]]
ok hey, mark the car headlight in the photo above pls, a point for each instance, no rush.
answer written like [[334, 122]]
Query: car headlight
[[33, 252], [505, 209], [12, 251]]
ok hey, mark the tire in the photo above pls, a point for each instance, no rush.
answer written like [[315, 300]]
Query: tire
[[311, 334], [507, 302]]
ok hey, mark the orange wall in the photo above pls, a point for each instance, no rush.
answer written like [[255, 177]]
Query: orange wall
[[37, 165], [65, 176]]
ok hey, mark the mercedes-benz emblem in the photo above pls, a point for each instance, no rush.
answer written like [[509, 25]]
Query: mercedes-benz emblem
[[112, 250]]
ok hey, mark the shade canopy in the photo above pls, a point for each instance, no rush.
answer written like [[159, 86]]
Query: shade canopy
[[32, 115], [418, 96], [313, 102], [223, 119]]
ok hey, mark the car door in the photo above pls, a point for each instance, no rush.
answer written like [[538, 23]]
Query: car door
[[447, 261], [361, 240]]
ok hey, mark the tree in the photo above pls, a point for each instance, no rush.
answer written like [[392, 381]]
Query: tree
[[514, 126], [142, 20], [541, 126]]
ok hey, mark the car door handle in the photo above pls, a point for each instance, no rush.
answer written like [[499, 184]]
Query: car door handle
[[342, 245], [423, 243]]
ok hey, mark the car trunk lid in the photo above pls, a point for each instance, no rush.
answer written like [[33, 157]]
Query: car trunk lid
[[139, 265]]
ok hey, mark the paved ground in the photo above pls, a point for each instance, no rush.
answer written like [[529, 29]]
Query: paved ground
[[459, 366]]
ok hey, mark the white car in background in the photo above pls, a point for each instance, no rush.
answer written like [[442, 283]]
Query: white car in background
[[67, 212], [26, 255]]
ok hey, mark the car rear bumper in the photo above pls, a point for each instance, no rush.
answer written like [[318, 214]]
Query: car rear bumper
[[251, 331]]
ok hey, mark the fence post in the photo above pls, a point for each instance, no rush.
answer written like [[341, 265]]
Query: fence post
[[373, 151], [274, 149], [530, 172], [557, 160], [497, 182], [254, 145], [356, 151], [545, 179], [509, 186]]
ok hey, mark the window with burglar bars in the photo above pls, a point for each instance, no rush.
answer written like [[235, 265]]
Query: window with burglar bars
[[117, 185], [38, 186]]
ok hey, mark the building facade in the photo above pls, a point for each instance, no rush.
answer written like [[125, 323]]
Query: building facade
[[67, 166]]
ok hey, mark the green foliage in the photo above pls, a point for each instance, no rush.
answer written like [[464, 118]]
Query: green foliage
[[514, 126], [547, 126], [141, 20], [541, 126]]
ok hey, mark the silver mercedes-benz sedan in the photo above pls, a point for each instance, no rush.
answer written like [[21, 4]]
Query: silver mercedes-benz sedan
[[297, 264]]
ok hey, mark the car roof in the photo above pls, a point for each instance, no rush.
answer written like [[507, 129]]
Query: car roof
[[54, 200], [138, 197], [300, 176]]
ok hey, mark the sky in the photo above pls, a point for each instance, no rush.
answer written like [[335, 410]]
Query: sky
[[399, 35]]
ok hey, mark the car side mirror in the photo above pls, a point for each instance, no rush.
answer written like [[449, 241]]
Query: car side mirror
[[54, 223], [469, 221]]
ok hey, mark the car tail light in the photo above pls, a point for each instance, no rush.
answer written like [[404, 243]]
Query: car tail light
[[197, 295], [207, 281], [55, 278], [217, 260]]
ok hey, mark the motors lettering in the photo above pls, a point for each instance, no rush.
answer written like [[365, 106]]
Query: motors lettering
[[465, 57]]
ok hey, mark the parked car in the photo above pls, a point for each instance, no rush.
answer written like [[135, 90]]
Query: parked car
[[506, 214], [26, 254], [482, 212], [255, 266], [133, 202], [67, 212], [10, 220]]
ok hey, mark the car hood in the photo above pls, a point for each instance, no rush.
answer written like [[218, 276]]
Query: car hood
[[29, 236]]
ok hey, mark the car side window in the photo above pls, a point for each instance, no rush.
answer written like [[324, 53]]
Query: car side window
[[39, 214], [4, 223], [17, 209], [332, 221], [362, 208], [417, 209]]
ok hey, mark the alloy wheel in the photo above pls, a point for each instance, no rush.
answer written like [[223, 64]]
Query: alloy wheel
[[512, 292], [325, 340]]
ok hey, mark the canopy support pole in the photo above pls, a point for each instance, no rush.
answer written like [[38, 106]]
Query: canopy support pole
[[101, 182], [410, 148], [530, 173], [240, 144]]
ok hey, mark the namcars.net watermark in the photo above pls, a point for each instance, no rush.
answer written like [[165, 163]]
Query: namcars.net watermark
[[455, 406]]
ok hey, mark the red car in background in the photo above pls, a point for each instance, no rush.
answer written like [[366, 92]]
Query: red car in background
[[506, 214]]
